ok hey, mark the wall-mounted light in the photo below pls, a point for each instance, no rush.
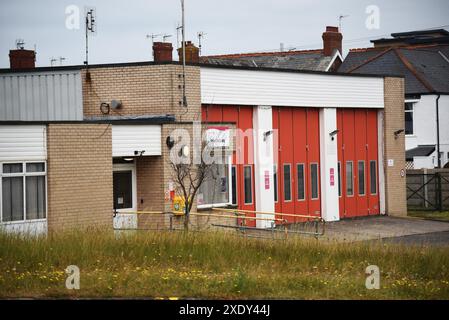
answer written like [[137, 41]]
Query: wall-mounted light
[[170, 142], [128, 159], [398, 132], [139, 153], [266, 134], [333, 134]]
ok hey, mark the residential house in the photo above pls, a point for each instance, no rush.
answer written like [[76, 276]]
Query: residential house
[[422, 57]]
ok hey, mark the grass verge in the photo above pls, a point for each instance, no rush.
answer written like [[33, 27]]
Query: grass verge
[[431, 215], [216, 265]]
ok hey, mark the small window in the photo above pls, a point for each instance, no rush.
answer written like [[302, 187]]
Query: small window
[[35, 167], [339, 178], [12, 168], [314, 180], [275, 180], [373, 176], [409, 118], [349, 179], [361, 167], [234, 185], [301, 181], [287, 183], [248, 184]]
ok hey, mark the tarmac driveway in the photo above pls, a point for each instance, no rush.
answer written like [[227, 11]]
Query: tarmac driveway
[[389, 229]]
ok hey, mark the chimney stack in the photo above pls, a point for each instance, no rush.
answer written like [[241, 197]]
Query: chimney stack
[[332, 39], [192, 53], [162, 51], [22, 59]]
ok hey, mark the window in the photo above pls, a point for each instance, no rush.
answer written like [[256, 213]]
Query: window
[[314, 180], [339, 178], [409, 118], [234, 185], [248, 184], [361, 167], [287, 183], [123, 195], [275, 180], [349, 179], [373, 176], [301, 181], [23, 191], [215, 189]]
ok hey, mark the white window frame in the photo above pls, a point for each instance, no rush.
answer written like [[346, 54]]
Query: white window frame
[[346, 179], [364, 178], [317, 181], [23, 174], [251, 185], [117, 167], [412, 102], [230, 190], [283, 182], [376, 175], [303, 182]]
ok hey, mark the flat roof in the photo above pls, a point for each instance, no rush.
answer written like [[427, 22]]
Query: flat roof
[[201, 65]]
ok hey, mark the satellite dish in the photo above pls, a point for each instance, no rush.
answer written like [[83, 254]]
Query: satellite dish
[[116, 104]]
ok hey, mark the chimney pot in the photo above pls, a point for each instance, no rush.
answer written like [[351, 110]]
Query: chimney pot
[[332, 39], [163, 51], [22, 59]]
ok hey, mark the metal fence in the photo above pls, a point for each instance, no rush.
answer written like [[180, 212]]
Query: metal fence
[[428, 189]]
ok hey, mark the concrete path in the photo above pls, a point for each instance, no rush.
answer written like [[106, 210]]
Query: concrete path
[[382, 227]]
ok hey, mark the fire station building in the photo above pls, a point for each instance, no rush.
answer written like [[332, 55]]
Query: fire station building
[[77, 143]]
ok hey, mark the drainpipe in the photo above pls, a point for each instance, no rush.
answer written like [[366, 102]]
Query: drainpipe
[[438, 131], [440, 193]]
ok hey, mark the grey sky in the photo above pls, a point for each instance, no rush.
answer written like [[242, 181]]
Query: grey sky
[[232, 26]]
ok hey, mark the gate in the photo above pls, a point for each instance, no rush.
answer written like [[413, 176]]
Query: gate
[[428, 190]]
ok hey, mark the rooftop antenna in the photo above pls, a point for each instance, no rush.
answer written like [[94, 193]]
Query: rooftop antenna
[[178, 30], [152, 37], [201, 35], [165, 37], [52, 61], [61, 59], [340, 18], [91, 29], [20, 44], [184, 98]]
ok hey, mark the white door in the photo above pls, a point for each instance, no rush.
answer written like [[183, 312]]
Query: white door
[[125, 195]]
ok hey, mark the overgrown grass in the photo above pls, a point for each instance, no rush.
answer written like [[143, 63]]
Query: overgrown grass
[[431, 215], [216, 265]]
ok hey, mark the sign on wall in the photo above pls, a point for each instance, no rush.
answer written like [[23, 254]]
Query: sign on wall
[[217, 137]]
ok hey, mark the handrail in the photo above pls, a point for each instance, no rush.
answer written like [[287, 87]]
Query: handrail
[[265, 212], [234, 216]]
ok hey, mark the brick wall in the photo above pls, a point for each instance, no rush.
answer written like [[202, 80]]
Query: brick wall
[[143, 90], [394, 148], [79, 176]]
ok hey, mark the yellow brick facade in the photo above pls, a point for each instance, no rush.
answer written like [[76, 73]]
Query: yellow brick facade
[[79, 176], [394, 147]]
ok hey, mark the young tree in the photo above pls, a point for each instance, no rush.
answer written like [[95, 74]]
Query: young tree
[[187, 179]]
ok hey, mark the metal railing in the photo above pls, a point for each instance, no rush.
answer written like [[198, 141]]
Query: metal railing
[[277, 225]]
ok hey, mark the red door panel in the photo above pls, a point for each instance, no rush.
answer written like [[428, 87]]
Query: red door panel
[[360, 163], [372, 174], [349, 158], [300, 161], [286, 162], [313, 158]]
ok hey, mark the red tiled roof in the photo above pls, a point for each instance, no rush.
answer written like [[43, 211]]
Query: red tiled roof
[[260, 54]]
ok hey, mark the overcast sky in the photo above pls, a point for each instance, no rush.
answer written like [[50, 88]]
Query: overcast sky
[[231, 26]]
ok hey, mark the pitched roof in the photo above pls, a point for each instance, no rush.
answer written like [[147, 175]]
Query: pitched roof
[[423, 150], [313, 60], [425, 67]]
